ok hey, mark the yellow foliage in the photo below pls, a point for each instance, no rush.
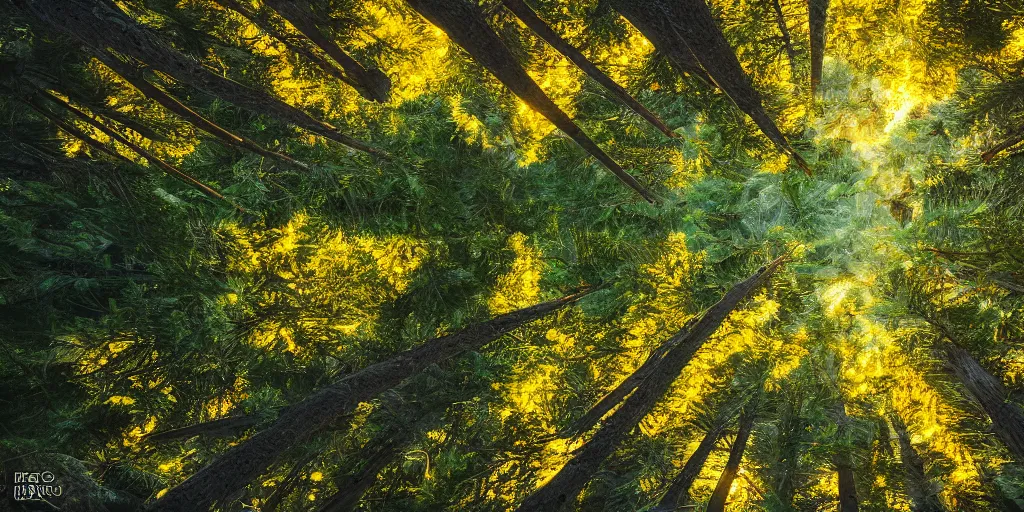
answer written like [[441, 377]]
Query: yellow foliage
[[519, 287]]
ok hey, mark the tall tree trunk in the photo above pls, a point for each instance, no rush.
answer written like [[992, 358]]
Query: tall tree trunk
[[243, 463], [352, 487], [678, 494], [70, 129], [924, 495], [617, 395], [1014, 138], [787, 40], [817, 17], [373, 84], [101, 25], [678, 24], [565, 486], [844, 466], [133, 76], [537, 25], [732, 467], [231, 426], [152, 159], [465, 24], [665, 41], [1007, 417], [267, 25]]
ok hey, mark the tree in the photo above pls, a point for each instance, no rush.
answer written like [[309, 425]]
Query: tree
[[732, 466], [923, 493], [818, 17]]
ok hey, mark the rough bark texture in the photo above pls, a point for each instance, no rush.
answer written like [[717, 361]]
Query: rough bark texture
[[243, 463], [1007, 417], [678, 494], [689, 24], [565, 486], [152, 159], [537, 25], [732, 467], [617, 395], [465, 25], [371, 83], [817, 17], [101, 25], [923, 494], [666, 41], [222, 427], [133, 76]]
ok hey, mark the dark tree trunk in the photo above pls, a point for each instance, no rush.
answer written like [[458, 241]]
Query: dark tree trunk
[[371, 83], [848, 501], [787, 40], [152, 159], [537, 25], [243, 463], [565, 486], [689, 24], [267, 25], [817, 17], [1007, 417], [666, 42], [678, 494], [923, 494], [217, 428], [732, 467], [70, 129], [1010, 141], [352, 487], [287, 485], [617, 395], [133, 76], [465, 24], [101, 25]]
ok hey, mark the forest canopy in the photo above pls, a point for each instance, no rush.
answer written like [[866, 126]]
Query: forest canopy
[[495, 255]]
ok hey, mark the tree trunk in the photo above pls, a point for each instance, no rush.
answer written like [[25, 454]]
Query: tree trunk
[[617, 395], [732, 466], [689, 24], [678, 494], [537, 25], [665, 41], [352, 488], [844, 466], [216, 428], [243, 463], [1011, 140], [923, 494], [76, 133], [264, 23], [787, 41], [1007, 417], [565, 486], [465, 24], [817, 17], [152, 159], [372, 83], [133, 76], [101, 25]]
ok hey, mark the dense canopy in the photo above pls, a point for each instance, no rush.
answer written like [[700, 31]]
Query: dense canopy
[[533, 255]]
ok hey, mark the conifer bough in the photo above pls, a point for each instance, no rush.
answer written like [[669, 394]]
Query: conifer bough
[[102, 26], [680, 28], [465, 24], [243, 463], [562, 490], [537, 25]]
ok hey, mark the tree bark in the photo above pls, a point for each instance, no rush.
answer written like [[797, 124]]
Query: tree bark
[[617, 395], [689, 24], [1011, 140], [465, 25], [152, 159], [76, 133], [817, 18], [665, 41], [537, 25], [848, 501], [101, 25], [1007, 417], [787, 40], [243, 463], [216, 428], [371, 83], [732, 467], [133, 76], [923, 494], [566, 485], [352, 488], [678, 494]]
